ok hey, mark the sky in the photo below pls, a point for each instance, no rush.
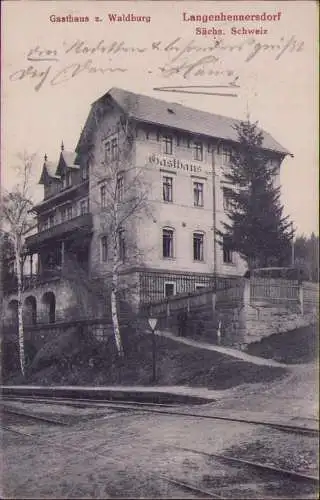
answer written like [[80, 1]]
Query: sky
[[53, 71]]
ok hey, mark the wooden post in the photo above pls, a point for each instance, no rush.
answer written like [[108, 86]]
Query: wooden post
[[168, 309], [214, 300], [62, 254], [154, 359], [301, 298]]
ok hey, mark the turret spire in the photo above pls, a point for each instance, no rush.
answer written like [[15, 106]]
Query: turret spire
[[45, 157], [62, 146]]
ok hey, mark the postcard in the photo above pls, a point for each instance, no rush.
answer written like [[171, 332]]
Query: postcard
[[108, 105]]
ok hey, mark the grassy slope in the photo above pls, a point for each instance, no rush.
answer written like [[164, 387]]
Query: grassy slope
[[297, 346], [71, 359]]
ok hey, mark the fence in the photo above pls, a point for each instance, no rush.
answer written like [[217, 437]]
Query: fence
[[309, 297], [274, 290], [152, 284], [198, 299], [246, 309], [232, 296]]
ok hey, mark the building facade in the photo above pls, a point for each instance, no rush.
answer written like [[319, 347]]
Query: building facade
[[141, 197]]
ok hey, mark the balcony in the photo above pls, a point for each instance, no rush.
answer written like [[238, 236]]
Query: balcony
[[10, 285], [81, 225], [66, 194]]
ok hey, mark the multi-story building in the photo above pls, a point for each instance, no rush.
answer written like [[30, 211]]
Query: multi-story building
[[130, 142]]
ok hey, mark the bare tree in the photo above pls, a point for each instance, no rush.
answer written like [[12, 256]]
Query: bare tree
[[121, 199], [17, 222]]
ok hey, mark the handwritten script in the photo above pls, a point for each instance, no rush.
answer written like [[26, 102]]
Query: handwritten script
[[179, 61]]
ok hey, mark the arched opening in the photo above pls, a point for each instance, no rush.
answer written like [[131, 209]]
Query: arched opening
[[49, 302], [30, 310], [12, 312]]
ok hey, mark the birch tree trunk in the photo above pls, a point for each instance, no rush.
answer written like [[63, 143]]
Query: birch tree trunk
[[114, 312], [20, 314]]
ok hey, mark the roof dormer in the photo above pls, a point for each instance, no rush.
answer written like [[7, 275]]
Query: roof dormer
[[48, 171], [66, 160]]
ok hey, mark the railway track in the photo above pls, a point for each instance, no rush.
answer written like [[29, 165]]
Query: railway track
[[267, 476], [216, 488], [31, 416], [222, 491], [256, 465], [84, 402], [161, 409], [191, 487]]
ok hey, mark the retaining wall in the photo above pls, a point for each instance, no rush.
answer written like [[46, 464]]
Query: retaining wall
[[242, 314]]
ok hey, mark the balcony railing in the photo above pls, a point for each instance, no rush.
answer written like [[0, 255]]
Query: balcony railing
[[10, 285], [64, 194], [81, 223]]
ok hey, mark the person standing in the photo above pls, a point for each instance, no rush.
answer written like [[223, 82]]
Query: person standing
[[182, 323]]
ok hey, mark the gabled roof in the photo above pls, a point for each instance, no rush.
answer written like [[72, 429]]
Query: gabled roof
[[150, 110], [66, 160], [49, 169]]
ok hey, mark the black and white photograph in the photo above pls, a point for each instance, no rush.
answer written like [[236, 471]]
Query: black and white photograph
[[159, 246]]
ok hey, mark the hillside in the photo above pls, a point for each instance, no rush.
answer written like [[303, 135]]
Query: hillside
[[74, 360]]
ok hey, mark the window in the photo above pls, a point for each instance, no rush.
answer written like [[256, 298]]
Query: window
[[167, 188], [122, 246], [51, 220], [107, 149], [84, 207], [85, 171], [63, 214], [111, 150], [197, 246], [69, 212], [45, 224], [198, 151], [167, 243], [226, 155], [68, 179], [120, 188], [198, 194], [227, 199], [169, 289], [227, 253], [104, 248], [103, 198], [199, 286], [273, 163], [167, 141], [114, 149]]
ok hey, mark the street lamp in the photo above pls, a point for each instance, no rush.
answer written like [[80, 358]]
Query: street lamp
[[153, 324]]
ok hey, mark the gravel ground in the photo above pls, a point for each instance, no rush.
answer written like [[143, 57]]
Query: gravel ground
[[297, 453], [123, 457], [296, 395]]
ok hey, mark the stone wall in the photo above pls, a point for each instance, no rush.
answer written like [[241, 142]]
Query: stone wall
[[40, 334], [238, 316], [66, 304], [283, 306]]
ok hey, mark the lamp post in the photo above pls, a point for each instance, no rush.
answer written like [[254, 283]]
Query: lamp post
[[153, 324]]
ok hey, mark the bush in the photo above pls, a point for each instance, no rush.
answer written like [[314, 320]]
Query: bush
[[9, 358]]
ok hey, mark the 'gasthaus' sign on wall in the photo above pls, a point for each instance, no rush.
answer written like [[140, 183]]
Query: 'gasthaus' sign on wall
[[174, 163]]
